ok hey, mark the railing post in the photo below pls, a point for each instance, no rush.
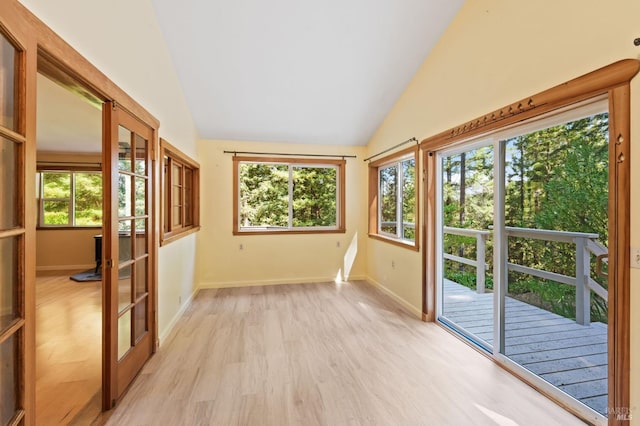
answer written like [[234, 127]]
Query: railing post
[[583, 294], [480, 263]]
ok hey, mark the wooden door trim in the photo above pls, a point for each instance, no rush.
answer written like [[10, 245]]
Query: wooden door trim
[[619, 331], [613, 81]]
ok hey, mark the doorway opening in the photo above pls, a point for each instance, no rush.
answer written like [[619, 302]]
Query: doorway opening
[[68, 251]]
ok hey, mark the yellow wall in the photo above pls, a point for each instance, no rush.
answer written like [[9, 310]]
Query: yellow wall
[[496, 52], [122, 39], [274, 259]]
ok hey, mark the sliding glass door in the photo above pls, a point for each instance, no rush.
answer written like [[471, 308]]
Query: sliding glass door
[[523, 226], [466, 195]]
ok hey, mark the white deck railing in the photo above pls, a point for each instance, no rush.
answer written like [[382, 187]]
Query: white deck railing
[[479, 262], [586, 244]]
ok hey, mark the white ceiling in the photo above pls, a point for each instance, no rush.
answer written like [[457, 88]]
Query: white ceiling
[[65, 121], [319, 72]]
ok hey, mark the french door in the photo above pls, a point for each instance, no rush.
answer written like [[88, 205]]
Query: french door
[[17, 227], [128, 278]]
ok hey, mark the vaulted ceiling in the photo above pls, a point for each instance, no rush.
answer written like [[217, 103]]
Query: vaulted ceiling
[[317, 72]]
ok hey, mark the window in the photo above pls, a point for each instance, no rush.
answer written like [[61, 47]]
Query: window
[[69, 198], [393, 190], [277, 195], [180, 203]]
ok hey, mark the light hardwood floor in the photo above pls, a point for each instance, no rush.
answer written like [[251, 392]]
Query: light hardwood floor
[[68, 348], [322, 354]]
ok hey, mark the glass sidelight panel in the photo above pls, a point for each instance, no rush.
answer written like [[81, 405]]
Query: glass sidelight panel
[[8, 76], [8, 378], [466, 219], [8, 191]]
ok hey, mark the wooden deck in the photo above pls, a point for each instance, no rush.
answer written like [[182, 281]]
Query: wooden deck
[[570, 356]]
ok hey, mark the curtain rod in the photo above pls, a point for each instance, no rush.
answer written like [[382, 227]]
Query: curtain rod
[[393, 147], [289, 154], [85, 163]]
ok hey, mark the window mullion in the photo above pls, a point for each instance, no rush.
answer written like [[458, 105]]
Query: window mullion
[[379, 201], [399, 218], [290, 196], [72, 200]]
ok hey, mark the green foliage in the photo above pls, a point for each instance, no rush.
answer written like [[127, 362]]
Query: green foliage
[[392, 192], [56, 185], [264, 195], [389, 199], [314, 196], [557, 179], [57, 198], [88, 199]]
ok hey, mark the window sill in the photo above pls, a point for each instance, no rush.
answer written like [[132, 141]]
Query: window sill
[[291, 231], [68, 228], [396, 242], [171, 237]]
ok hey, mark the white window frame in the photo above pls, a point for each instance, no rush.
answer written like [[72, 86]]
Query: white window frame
[[400, 222]]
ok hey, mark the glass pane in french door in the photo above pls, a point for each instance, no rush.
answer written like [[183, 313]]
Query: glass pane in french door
[[8, 183], [466, 211], [13, 349], [9, 378], [8, 281], [555, 210], [8, 76], [133, 238]]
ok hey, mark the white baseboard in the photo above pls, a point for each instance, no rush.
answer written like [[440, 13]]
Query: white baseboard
[[164, 334], [417, 312], [65, 267], [307, 280]]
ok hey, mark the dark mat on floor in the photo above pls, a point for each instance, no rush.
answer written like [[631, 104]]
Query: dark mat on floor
[[89, 275]]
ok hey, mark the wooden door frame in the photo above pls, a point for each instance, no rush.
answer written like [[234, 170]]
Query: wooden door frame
[[614, 82], [25, 132], [49, 54]]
